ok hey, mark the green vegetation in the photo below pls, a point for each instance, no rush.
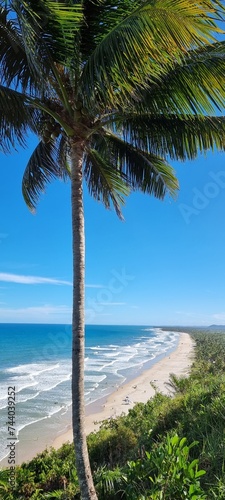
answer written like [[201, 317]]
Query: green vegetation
[[167, 449]]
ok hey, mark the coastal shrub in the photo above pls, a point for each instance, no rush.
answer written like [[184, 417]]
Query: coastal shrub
[[165, 473], [217, 491], [49, 471], [178, 385], [59, 494], [143, 418], [25, 482], [109, 483], [112, 444], [5, 488]]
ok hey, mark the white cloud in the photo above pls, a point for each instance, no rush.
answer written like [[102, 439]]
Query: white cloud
[[31, 280], [219, 316], [112, 303], [94, 319], [185, 313], [94, 286], [38, 280], [37, 314]]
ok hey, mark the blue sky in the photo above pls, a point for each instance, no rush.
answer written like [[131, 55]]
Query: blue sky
[[163, 266]]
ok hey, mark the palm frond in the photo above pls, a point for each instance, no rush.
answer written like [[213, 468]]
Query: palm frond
[[13, 60], [41, 169], [196, 86], [177, 137], [62, 157], [54, 24], [28, 25], [18, 45], [16, 117], [67, 17], [104, 181], [177, 384], [144, 45], [142, 170], [46, 31], [100, 17]]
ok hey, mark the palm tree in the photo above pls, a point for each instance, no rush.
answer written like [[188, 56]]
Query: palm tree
[[113, 89]]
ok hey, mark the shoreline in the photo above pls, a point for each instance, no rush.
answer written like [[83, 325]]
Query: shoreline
[[117, 402], [137, 390]]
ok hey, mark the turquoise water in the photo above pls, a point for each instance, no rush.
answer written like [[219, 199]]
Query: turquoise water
[[36, 359]]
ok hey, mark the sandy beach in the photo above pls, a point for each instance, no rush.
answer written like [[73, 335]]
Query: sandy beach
[[35, 438], [138, 390]]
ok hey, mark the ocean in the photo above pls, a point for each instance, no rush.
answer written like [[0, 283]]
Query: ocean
[[36, 360]]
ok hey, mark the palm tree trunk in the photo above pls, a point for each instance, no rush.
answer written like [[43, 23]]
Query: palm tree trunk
[[78, 325]]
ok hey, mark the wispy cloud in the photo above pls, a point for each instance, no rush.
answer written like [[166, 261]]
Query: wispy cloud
[[36, 313], [112, 303], [219, 316], [94, 286], [96, 316], [31, 280], [185, 313]]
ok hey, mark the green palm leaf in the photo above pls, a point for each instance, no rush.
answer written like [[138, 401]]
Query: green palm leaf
[[41, 169], [19, 50], [13, 59], [56, 23], [68, 16], [28, 24], [194, 86], [100, 17], [104, 181], [177, 137], [144, 45], [62, 157], [15, 118], [46, 35], [143, 170]]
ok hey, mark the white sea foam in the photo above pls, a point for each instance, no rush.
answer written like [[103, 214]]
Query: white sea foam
[[24, 399], [107, 366], [95, 378], [35, 421], [32, 369], [110, 355], [100, 348]]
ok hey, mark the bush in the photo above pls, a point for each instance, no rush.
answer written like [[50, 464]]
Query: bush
[[112, 445]]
